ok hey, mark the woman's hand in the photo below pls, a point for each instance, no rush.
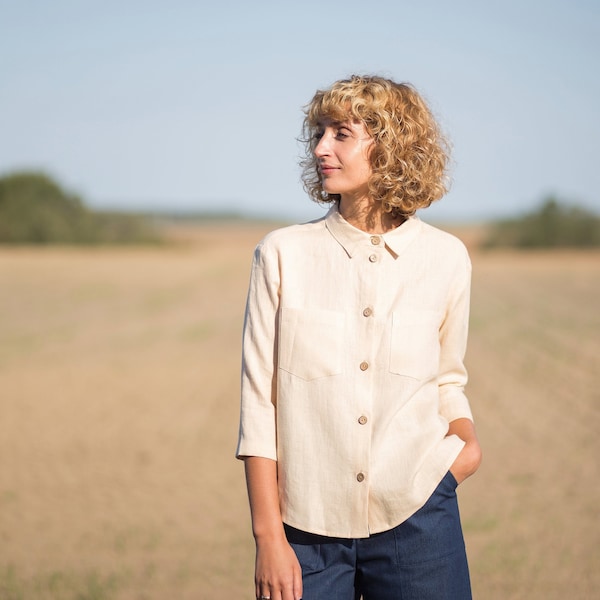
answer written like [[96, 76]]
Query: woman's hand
[[278, 574], [469, 459]]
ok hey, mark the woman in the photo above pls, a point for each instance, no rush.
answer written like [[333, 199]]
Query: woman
[[355, 429]]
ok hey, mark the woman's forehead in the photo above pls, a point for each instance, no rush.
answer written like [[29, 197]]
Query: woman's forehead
[[327, 121], [346, 121]]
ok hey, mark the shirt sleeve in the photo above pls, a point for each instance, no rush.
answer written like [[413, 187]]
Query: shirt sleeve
[[453, 344], [257, 434]]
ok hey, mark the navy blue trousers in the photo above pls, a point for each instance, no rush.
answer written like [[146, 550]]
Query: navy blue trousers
[[422, 559]]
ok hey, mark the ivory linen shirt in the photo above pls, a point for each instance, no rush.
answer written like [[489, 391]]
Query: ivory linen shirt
[[352, 369]]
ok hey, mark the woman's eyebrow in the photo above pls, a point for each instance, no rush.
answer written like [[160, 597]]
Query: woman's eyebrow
[[332, 123]]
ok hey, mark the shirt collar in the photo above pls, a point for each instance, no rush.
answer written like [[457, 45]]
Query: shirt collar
[[351, 238]]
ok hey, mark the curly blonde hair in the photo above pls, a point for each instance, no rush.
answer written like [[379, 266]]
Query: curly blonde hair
[[410, 155]]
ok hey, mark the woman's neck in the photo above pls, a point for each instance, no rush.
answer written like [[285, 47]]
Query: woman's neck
[[369, 216]]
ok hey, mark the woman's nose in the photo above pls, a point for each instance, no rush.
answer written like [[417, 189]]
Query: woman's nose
[[322, 148]]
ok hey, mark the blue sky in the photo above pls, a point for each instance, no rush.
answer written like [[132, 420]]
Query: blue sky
[[197, 105]]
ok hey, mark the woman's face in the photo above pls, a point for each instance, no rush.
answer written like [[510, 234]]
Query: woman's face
[[343, 158]]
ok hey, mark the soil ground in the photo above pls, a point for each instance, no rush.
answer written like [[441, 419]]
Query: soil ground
[[119, 386]]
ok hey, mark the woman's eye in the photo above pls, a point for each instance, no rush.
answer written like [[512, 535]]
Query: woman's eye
[[317, 135], [342, 134]]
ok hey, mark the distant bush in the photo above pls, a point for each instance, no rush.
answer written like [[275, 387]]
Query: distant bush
[[553, 225], [34, 209]]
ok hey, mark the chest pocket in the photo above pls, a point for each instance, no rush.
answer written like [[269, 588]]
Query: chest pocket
[[415, 344], [311, 342]]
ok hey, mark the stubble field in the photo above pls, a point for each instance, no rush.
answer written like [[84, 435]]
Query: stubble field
[[119, 394]]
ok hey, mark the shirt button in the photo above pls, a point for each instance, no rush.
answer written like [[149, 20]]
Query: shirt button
[[364, 365], [373, 258], [375, 239], [367, 312], [360, 477], [362, 420]]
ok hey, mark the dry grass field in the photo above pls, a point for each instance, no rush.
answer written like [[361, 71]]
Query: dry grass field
[[119, 399]]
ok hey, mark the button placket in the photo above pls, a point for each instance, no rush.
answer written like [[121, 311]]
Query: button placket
[[369, 326]]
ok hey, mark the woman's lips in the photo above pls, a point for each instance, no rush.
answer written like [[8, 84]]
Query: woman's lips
[[327, 169]]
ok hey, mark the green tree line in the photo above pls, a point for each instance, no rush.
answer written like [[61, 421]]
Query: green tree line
[[35, 209], [552, 225]]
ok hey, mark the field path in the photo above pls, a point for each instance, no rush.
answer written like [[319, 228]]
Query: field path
[[532, 513]]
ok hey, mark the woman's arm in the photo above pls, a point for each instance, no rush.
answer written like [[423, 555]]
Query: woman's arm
[[454, 405], [469, 459], [277, 573]]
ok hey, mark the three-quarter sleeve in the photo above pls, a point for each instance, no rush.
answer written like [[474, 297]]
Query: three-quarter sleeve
[[453, 344], [257, 435]]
